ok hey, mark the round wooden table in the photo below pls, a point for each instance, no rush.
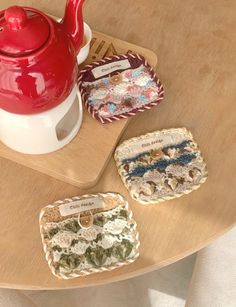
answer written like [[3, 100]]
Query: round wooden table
[[195, 44]]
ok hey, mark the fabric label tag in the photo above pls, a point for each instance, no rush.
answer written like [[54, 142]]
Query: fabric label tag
[[151, 142], [106, 69], [81, 205]]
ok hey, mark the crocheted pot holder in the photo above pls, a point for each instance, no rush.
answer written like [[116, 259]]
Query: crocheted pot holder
[[78, 242], [119, 86], [161, 165]]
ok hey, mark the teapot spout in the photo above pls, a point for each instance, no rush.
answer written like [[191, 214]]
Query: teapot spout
[[73, 22]]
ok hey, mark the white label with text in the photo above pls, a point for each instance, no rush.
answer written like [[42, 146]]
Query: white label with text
[[107, 69], [80, 206], [151, 142]]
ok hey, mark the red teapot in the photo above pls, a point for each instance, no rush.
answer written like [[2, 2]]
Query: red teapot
[[38, 57]]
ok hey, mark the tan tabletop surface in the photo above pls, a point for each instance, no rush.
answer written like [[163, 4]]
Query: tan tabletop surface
[[196, 45]]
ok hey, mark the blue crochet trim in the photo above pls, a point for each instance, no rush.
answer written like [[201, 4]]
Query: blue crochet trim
[[161, 165]]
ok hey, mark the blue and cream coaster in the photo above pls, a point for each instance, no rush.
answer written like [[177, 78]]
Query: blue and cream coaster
[[161, 165]]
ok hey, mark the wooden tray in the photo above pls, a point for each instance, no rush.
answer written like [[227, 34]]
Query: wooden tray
[[82, 162]]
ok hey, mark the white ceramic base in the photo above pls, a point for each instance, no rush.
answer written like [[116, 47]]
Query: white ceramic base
[[44, 132]]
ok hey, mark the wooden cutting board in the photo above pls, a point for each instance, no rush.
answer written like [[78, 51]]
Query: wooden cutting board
[[82, 162]]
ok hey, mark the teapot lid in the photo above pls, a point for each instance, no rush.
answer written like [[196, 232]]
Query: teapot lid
[[22, 31]]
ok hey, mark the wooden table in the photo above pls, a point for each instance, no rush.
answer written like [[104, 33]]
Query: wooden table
[[195, 43]]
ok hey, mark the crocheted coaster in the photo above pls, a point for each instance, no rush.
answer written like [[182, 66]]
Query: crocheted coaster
[[160, 165], [119, 86], [88, 234]]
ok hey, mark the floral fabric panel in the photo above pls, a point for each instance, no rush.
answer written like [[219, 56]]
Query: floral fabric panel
[[122, 93], [171, 166], [73, 251]]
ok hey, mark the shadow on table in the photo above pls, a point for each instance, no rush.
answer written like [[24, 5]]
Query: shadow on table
[[167, 286]]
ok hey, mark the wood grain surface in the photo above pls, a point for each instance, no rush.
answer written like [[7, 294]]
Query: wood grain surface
[[74, 163], [196, 45]]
